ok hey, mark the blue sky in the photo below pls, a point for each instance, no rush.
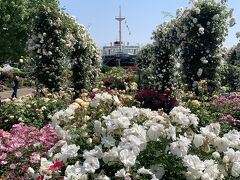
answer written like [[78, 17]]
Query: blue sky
[[142, 17]]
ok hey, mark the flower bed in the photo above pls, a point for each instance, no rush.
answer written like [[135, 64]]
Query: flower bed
[[99, 138]]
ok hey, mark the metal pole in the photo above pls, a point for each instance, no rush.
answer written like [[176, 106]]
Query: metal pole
[[120, 18], [120, 27]]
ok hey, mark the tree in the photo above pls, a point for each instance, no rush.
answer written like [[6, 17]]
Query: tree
[[230, 77], [205, 27], [165, 43], [234, 55], [84, 56], [230, 70], [14, 29], [16, 26], [47, 45]]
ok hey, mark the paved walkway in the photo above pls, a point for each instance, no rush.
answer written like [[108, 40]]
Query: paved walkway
[[21, 92]]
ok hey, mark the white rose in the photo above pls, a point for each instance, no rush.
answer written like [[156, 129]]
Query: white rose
[[198, 140], [195, 20], [127, 157], [235, 169], [197, 10], [97, 126], [201, 30], [91, 164], [199, 72], [216, 155]]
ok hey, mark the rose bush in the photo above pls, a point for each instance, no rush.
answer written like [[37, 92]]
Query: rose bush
[[154, 100], [204, 28], [47, 45], [84, 56]]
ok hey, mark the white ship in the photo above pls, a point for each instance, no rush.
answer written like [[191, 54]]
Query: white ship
[[117, 53]]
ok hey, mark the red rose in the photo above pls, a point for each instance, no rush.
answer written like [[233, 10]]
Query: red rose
[[40, 178], [56, 166], [92, 95], [172, 102], [167, 91], [162, 97]]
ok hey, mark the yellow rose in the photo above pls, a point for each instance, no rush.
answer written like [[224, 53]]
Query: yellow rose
[[215, 96], [195, 103]]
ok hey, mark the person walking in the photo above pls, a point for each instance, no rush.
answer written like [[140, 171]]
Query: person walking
[[15, 86], [1, 83]]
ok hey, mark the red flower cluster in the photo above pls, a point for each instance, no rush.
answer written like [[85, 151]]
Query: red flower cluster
[[92, 95], [154, 100]]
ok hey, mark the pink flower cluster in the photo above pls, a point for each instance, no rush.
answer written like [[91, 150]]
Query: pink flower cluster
[[229, 106], [229, 118], [48, 136], [22, 136], [233, 99]]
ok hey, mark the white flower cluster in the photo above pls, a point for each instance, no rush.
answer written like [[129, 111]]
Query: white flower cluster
[[54, 42], [67, 151], [184, 38], [134, 138], [163, 63], [184, 117], [63, 117], [104, 97], [47, 46], [224, 158], [122, 136]]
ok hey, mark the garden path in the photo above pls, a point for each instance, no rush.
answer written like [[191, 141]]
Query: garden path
[[21, 92]]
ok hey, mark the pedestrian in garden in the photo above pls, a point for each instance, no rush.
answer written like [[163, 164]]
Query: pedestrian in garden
[[1, 82], [15, 86]]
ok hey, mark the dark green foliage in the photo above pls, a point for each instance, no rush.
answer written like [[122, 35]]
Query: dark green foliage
[[230, 77], [145, 57], [14, 29], [234, 56], [155, 154], [144, 60]]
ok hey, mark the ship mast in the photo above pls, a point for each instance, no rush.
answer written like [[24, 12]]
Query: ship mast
[[120, 18]]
